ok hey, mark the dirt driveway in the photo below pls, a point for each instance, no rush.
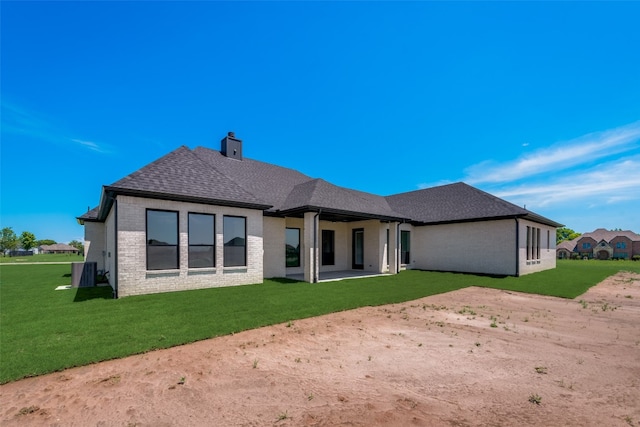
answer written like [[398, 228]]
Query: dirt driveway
[[467, 358]]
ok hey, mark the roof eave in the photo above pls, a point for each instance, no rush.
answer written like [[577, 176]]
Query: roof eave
[[114, 191], [339, 212], [529, 216]]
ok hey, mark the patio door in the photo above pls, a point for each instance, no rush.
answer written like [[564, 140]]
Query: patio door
[[358, 249]]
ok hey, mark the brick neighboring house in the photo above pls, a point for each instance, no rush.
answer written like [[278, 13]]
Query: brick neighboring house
[[205, 218], [57, 248], [602, 244]]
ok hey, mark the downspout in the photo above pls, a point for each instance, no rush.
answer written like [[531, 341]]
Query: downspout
[[517, 248], [314, 261], [115, 250], [398, 248]]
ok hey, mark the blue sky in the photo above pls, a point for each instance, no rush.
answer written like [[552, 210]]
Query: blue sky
[[538, 103]]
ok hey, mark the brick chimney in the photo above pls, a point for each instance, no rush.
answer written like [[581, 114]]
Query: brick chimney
[[231, 147]]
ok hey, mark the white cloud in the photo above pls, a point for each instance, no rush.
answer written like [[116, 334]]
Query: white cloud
[[91, 146], [559, 157], [607, 183], [19, 121]]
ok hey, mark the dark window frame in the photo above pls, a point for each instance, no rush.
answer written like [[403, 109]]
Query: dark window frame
[[286, 250], [405, 255], [147, 240], [226, 261], [328, 257], [212, 245]]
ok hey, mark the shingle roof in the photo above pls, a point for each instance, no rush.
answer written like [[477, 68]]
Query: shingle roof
[[608, 235], [182, 174], [270, 183], [90, 215], [207, 176], [569, 245], [321, 194], [457, 203]]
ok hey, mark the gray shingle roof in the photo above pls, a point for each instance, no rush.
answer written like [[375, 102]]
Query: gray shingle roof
[[270, 183], [183, 175], [321, 194], [457, 203], [207, 176]]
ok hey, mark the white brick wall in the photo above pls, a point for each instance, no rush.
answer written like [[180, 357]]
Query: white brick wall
[[94, 243], [133, 277], [476, 247]]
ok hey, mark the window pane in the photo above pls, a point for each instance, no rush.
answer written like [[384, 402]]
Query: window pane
[[234, 241], [162, 257], [162, 228], [162, 240], [292, 247], [201, 229], [328, 247], [405, 249], [201, 256]]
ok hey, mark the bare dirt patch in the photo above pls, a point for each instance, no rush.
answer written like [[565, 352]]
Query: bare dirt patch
[[467, 358]]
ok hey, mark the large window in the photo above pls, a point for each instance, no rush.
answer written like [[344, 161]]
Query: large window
[[328, 247], [292, 247], [202, 243], [533, 243], [405, 247], [235, 241], [162, 240]]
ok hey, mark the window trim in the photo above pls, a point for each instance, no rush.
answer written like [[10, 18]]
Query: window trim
[[147, 245], [286, 258], [224, 246], [189, 245]]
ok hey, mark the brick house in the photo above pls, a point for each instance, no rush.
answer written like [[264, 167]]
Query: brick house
[[205, 218], [602, 244]]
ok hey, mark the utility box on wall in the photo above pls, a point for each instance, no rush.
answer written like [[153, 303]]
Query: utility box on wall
[[83, 274]]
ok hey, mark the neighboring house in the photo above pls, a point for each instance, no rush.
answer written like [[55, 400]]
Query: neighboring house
[[58, 248], [602, 244], [564, 249], [205, 218]]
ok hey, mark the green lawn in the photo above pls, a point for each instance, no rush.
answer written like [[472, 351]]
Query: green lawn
[[42, 330], [41, 258]]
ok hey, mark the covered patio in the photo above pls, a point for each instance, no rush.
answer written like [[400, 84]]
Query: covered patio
[[332, 276]]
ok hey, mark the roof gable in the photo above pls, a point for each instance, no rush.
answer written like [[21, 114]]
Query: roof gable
[[601, 234], [321, 194], [270, 183], [181, 174], [457, 202]]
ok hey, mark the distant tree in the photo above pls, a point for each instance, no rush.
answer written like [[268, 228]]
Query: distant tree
[[45, 242], [78, 245], [27, 240], [8, 240], [565, 233]]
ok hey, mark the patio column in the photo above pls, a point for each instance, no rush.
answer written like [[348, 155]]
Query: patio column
[[311, 242], [393, 247]]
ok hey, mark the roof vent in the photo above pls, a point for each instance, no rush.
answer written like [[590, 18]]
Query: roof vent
[[231, 146]]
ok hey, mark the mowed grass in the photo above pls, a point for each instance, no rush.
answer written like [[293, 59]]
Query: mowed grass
[[43, 330], [41, 258]]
